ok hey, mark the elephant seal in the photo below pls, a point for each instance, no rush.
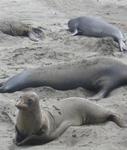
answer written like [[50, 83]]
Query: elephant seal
[[17, 28], [92, 26], [100, 75], [38, 126]]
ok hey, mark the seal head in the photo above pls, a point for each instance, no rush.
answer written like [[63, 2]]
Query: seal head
[[29, 119]]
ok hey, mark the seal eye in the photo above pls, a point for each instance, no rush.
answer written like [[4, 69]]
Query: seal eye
[[29, 102]]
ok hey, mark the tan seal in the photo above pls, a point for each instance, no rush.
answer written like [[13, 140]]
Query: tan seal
[[36, 125], [17, 28]]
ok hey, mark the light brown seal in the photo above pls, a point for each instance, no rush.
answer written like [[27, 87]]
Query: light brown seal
[[37, 126], [92, 26], [17, 28]]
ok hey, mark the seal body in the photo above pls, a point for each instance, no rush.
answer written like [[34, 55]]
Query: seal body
[[17, 28], [96, 27], [100, 75], [68, 112]]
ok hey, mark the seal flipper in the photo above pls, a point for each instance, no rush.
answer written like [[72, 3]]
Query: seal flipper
[[122, 46], [19, 136], [36, 34], [115, 118], [33, 140], [106, 84], [98, 96], [75, 32], [103, 93]]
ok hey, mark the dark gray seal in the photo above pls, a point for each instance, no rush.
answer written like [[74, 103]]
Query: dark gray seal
[[100, 75], [17, 28], [36, 125], [92, 26]]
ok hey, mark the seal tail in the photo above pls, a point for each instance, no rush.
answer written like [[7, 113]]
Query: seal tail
[[2, 87], [118, 120], [36, 34], [122, 45], [2, 90]]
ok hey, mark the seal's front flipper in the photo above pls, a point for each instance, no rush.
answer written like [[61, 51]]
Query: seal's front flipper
[[25, 141], [33, 140], [75, 32], [36, 34], [98, 96]]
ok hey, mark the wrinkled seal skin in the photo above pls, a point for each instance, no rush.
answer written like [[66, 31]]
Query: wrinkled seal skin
[[92, 26], [17, 28], [36, 126], [100, 75]]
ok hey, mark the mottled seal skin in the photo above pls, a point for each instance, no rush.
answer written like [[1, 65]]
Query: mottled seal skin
[[100, 75], [17, 28], [36, 125], [92, 26]]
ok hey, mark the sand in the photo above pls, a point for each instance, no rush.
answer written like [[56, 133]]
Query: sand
[[58, 46]]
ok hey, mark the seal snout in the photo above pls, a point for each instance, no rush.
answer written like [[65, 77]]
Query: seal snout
[[27, 101], [21, 105]]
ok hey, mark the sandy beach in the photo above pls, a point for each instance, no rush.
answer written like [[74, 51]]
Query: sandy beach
[[59, 46]]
